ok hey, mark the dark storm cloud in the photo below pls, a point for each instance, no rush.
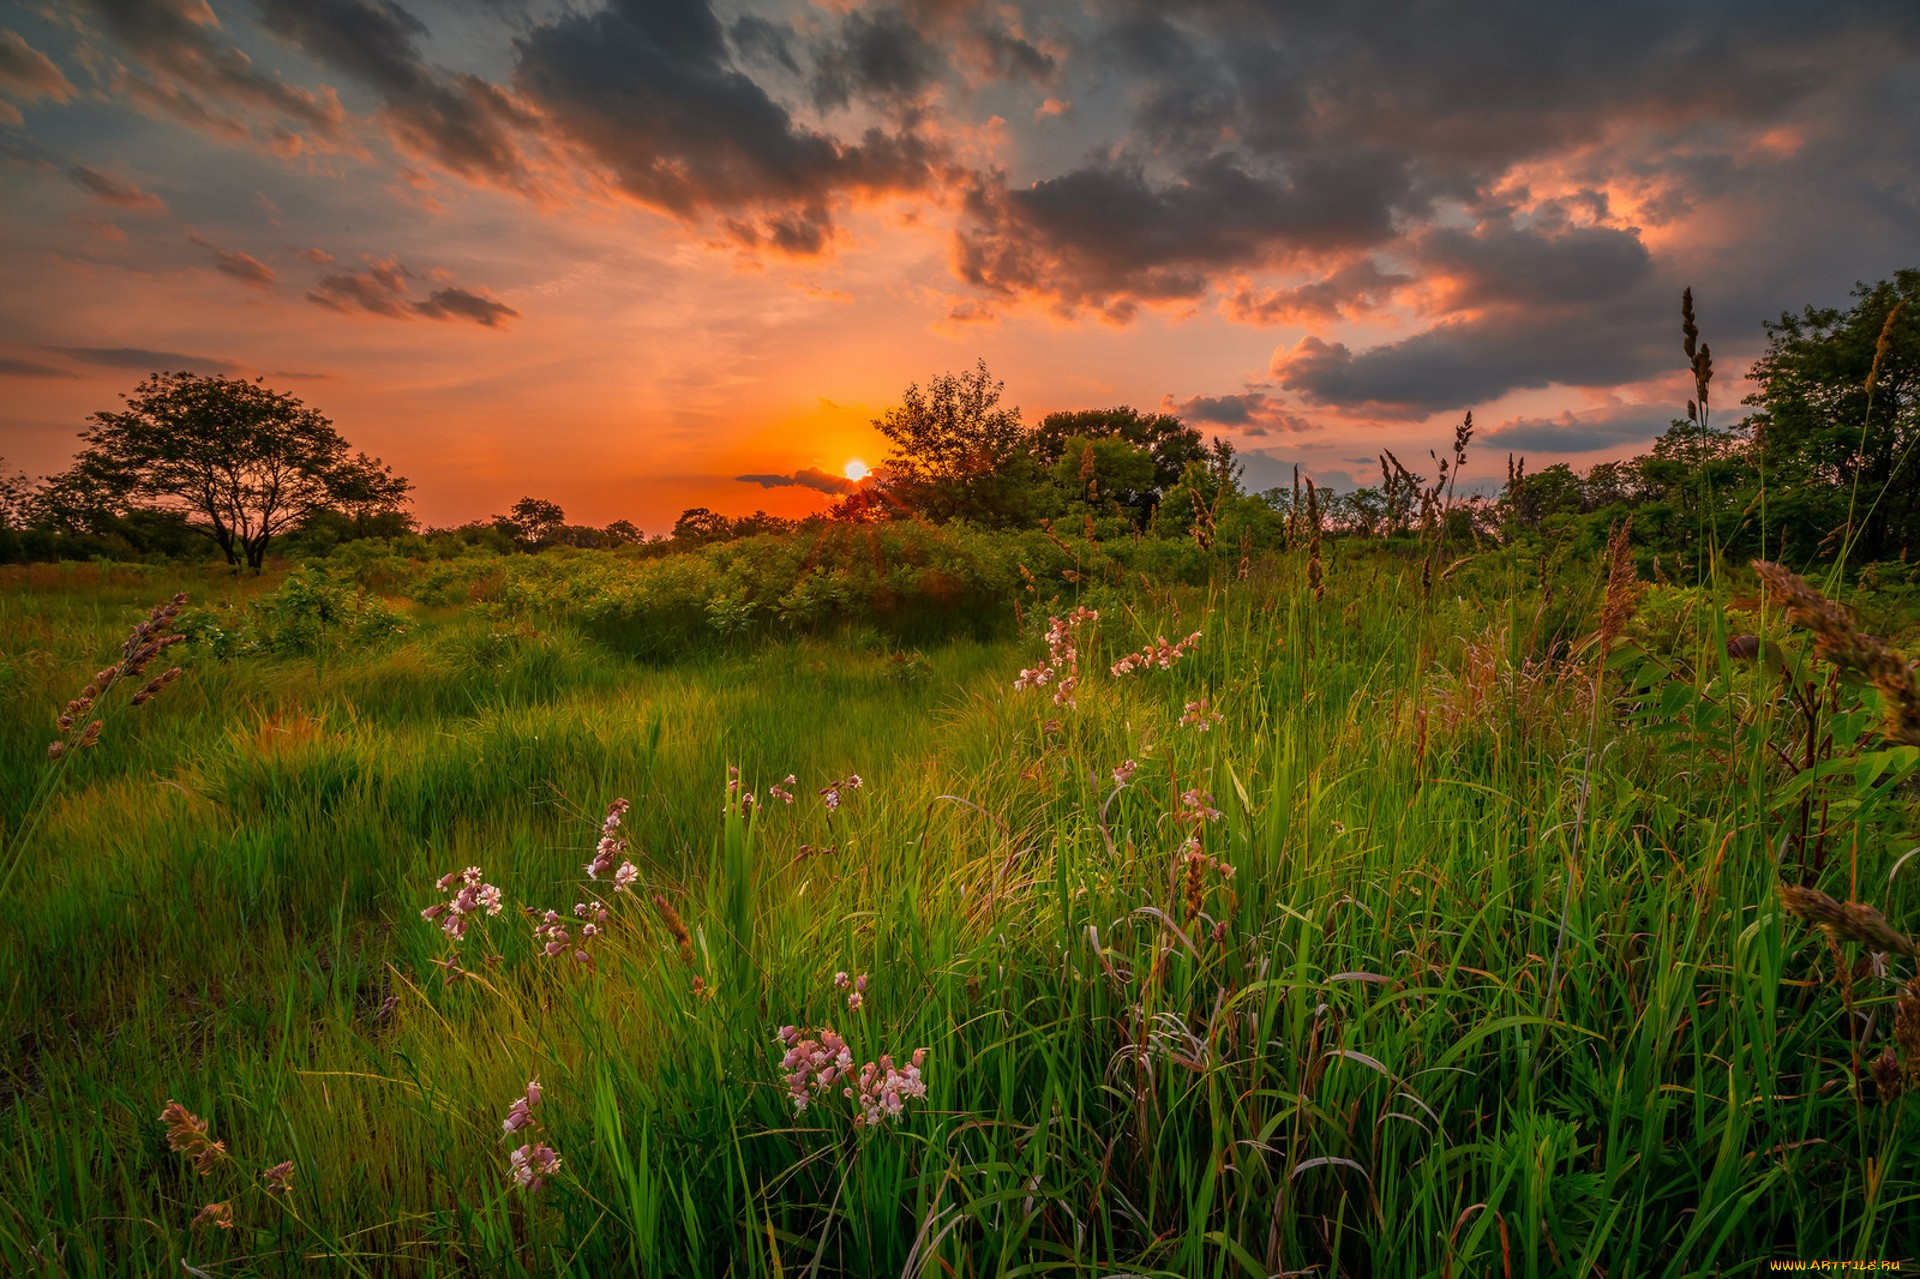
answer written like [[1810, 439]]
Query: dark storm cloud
[[1107, 235], [187, 67], [132, 357], [384, 289], [454, 119], [1461, 363], [648, 89], [115, 190], [1502, 265], [811, 478], [881, 57]]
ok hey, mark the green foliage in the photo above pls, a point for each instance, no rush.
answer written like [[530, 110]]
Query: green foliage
[[957, 452], [243, 463]]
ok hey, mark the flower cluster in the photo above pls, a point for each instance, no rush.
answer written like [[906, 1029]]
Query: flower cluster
[[607, 853], [187, 1135], [1124, 774], [1200, 715], [782, 791], [1062, 667], [220, 1214], [1196, 810], [550, 929], [1159, 653], [856, 989], [813, 1064], [78, 723], [831, 793], [739, 799], [884, 1091], [520, 1114], [469, 897], [534, 1162]]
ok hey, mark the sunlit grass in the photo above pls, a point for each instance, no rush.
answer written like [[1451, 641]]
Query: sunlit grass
[[1376, 1047]]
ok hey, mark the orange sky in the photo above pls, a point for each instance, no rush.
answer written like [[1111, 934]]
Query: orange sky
[[619, 257]]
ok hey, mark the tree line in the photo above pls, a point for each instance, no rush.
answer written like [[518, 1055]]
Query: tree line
[[1821, 466]]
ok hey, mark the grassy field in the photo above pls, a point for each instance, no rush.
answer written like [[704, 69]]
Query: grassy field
[[1445, 937]]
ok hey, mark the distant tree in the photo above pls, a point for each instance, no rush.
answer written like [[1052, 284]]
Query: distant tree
[[1105, 472], [698, 526], [957, 451], [1838, 419], [240, 462], [623, 533], [760, 523], [16, 497], [533, 522], [1171, 443]]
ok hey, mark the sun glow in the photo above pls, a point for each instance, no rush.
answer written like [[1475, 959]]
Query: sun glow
[[856, 470]]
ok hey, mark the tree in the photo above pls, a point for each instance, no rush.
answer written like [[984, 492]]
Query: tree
[[1170, 442], [698, 526], [956, 451], [533, 522], [240, 462], [1839, 418]]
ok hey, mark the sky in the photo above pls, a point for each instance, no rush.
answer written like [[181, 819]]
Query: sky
[[635, 256]]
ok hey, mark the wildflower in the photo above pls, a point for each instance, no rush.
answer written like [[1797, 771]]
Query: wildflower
[[520, 1114], [1199, 715], [813, 1062], [469, 895], [612, 844], [1124, 774], [1196, 806], [1159, 653], [624, 878], [782, 791], [533, 1164], [832, 793], [856, 990], [1062, 667], [884, 1090], [279, 1178], [144, 643]]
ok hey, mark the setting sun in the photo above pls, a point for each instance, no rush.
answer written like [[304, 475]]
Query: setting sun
[[856, 470]]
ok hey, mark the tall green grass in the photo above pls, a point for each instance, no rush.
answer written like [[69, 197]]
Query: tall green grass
[[1499, 983]]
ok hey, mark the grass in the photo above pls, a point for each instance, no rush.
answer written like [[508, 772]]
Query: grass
[[1500, 981]]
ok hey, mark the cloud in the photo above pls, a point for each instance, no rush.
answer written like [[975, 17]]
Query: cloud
[[114, 189], [1611, 427], [1107, 236], [383, 289], [880, 57], [1251, 413], [649, 93], [457, 120], [185, 67], [461, 304], [30, 368], [1526, 308], [1353, 290], [243, 267], [811, 478], [28, 73], [138, 358]]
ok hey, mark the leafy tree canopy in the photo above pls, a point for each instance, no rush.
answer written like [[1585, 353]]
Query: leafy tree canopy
[[240, 462], [957, 451]]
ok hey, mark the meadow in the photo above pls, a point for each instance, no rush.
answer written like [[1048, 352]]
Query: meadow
[[1372, 919]]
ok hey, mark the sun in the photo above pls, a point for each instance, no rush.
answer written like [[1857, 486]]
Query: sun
[[856, 470]]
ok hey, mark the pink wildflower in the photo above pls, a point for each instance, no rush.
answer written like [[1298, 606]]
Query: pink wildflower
[[1159, 653], [1199, 715], [279, 1178], [612, 844], [520, 1114], [1124, 774], [623, 879], [532, 1165], [1062, 667]]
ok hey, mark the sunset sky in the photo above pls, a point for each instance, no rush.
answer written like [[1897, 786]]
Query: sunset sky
[[622, 254]]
